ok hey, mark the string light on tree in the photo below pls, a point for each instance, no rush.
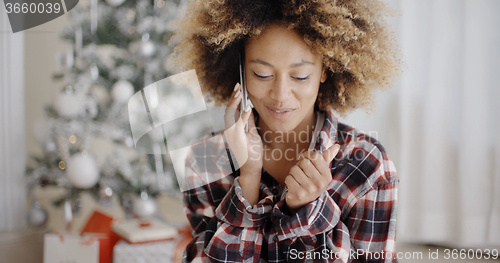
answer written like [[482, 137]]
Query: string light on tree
[[62, 165]]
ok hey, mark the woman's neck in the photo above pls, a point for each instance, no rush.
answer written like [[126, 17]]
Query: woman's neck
[[301, 135]]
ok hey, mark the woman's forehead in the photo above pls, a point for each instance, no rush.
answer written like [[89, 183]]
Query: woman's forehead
[[278, 42]]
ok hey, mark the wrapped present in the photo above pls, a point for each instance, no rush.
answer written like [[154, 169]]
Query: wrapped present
[[70, 248], [152, 252], [99, 226], [168, 251], [144, 230]]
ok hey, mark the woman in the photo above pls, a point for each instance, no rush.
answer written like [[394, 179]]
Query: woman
[[308, 188]]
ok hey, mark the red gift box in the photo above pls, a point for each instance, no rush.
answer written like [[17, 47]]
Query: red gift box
[[100, 224]]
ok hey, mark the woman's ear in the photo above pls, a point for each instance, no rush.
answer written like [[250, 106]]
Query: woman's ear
[[323, 74]]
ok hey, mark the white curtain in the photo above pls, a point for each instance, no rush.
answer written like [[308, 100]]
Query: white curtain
[[12, 160], [441, 123]]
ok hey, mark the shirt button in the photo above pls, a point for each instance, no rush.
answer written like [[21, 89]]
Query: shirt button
[[276, 238], [275, 191]]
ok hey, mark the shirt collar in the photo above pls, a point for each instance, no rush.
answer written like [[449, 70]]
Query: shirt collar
[[328, 134]]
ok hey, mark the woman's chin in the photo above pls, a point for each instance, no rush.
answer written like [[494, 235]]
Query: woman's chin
[[279, 125], [283, 127]]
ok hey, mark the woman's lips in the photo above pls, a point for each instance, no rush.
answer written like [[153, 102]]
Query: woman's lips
[[280, 113]]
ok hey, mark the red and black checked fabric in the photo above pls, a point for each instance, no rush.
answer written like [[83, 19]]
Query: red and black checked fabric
[[354, 220]]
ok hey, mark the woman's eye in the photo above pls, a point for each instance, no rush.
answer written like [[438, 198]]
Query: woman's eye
[[304, 78], [261, 77], [264, 77]]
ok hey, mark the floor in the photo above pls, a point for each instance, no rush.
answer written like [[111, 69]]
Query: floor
[[423, 253], [28, 248]]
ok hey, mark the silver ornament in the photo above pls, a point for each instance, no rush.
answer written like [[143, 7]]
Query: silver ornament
[[77, 205], [37, 216], [49, 146], [143, 206]]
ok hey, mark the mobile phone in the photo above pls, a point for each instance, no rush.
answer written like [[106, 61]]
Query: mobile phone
[[244, 99]]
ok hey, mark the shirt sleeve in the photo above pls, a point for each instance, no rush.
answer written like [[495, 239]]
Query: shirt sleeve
[[372, 224], [225, 227], [314, 232], [316, 217]]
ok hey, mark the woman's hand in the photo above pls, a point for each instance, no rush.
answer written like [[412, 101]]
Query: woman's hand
[[309, 178], [246, 146]]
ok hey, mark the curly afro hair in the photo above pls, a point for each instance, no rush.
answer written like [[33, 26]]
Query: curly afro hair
[[351, 36]]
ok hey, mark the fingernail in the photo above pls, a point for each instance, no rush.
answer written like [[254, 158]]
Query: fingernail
[[247, 108], [236, 86], [237, 94], [338, 146]]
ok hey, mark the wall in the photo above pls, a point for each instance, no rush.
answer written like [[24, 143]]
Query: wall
[[41, 46]]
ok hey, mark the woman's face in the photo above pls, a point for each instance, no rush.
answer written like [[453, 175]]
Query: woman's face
[[283, 78]]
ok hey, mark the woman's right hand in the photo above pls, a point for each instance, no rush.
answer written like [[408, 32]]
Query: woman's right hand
[[247, 147]]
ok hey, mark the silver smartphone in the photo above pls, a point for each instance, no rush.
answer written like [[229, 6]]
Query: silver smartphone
[[244, 99]]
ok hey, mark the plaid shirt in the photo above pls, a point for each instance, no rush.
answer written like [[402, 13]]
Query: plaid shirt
[[353, 220]]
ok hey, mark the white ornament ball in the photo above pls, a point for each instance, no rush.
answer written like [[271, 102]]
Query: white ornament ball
[[82, 171], [37, 216], [114, 2], [148, 48], [69, 105], [143, 207], [122, 91]]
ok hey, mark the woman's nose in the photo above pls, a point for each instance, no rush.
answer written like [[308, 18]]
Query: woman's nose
[[281, 90]]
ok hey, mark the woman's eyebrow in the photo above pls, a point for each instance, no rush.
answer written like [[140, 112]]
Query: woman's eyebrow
[[294, 65]]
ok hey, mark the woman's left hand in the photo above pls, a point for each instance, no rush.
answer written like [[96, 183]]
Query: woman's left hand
[[309, 177]]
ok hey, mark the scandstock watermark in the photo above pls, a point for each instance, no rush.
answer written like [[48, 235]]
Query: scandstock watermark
[[303, 137], [355, 254]]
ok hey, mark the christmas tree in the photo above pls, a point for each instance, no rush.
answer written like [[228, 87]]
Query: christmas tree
[[115, 48]]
